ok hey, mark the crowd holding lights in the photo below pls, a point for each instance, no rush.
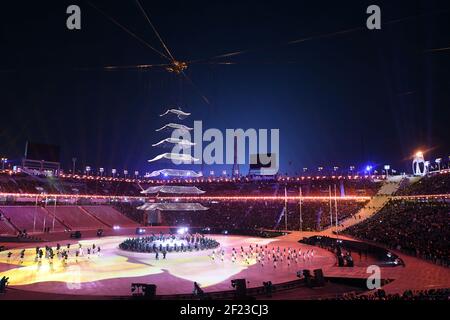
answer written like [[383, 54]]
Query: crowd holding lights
[[205, 180], [216, 180], [122, 192], [335, 172], [62, 197]]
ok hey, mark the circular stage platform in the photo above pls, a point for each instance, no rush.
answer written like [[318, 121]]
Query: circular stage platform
[[112, 271]]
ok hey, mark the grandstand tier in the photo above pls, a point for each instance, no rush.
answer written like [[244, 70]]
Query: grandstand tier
[[38, 219], [419, 228], [110, 216], [30, 218], [311, 186]]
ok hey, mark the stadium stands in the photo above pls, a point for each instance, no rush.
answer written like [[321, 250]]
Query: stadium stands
[[76, 218], [5, 227], [110, 216], [311, 186], [437, 183], [421, 229], [254, 214], [30, 218], [388, 188], [248, 214]]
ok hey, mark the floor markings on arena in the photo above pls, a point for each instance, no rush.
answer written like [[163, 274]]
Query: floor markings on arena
[[114, 269]]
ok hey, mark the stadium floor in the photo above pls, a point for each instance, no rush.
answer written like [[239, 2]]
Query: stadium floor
[[112, 272]]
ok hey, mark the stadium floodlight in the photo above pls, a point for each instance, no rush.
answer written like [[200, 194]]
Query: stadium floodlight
[[101, 170], [182, 230], [335, 168], [387, 167], [140, 231], [136, 174], [320, 168], [4, 161], [114, 171], [305, 169], [125, 173], [88, 169], [369, 168]]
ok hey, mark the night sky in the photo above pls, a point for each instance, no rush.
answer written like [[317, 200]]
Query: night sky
[[349, 99]]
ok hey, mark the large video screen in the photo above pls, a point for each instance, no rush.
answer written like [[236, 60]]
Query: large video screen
[[256, 163], [42, 151]]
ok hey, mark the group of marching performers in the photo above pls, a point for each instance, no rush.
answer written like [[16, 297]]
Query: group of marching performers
[[48, 253], [265, 255]]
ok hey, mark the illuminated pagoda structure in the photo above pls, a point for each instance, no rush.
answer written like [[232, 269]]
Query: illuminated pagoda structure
[[156, 208]]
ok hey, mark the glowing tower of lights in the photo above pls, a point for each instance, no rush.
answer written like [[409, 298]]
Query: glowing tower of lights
[[184, 156]]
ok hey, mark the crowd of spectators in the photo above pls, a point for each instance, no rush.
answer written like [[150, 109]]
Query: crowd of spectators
[[310, 187], [257, 214], [436, 183], [254, 214], [418, 228], [247, 214], [24, 183], [229, 215], [404, 184], [129, 209]]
